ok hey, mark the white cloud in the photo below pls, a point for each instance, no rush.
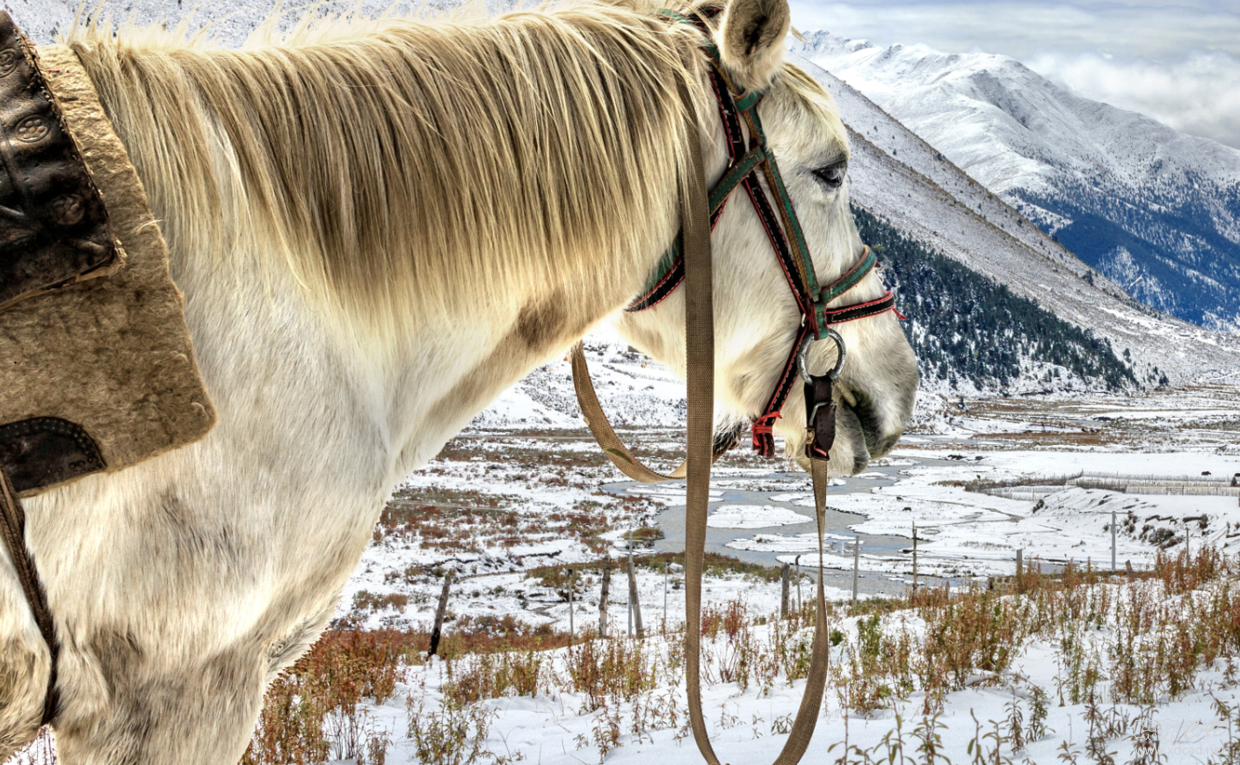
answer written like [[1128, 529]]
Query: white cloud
[[1021, 28], [1199, 94], [1177, 63]]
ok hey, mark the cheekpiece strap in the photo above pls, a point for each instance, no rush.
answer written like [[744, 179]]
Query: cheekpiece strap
[[749, 158]]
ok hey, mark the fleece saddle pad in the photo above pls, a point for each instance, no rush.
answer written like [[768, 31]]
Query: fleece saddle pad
[[96, 367]]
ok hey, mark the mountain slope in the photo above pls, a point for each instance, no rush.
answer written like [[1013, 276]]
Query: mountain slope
[[1156, 210], [926, 197], [895, 174], [969, 331]]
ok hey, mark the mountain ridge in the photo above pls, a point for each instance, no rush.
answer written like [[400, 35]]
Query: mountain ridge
[[900, 177], [1155, 210], [911, 186]]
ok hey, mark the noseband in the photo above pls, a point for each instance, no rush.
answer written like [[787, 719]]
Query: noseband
[[749, 155]]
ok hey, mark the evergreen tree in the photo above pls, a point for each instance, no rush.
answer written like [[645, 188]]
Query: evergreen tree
[[963, 326]]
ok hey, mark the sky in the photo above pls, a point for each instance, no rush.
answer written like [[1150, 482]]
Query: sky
[[1178, 63]]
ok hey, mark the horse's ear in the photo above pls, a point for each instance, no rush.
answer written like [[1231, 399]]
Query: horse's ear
[[751, 40]]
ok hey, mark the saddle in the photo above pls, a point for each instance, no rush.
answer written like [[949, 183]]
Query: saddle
[[97, 370]]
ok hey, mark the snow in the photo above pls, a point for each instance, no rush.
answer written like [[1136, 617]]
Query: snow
[[1051, 155], [1167, 439], [962, 534], [556, 727], [787, 543], [754, 517]]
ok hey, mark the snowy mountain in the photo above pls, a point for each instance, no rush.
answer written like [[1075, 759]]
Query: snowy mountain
[[901, 178], [1155, 210], [924, 198]]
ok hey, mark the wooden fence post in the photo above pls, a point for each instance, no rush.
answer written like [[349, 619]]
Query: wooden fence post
[[439, 613], [1112, 541], [784, 574], [914, 556], [634, 603], [856, 567], [570, 608], [602, 601], [666, 565], [800, 601], [629, 611]]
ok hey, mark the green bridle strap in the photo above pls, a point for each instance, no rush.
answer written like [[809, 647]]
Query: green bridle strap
[[846, 282], [718, 195], [758, 154], [749, 100], [735, 175], [850, 278], [792, 226], [707, 44]]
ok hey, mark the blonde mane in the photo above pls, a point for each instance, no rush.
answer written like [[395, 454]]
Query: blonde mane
[[396, 169]]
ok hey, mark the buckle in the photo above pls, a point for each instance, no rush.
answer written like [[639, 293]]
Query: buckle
[[819, 399]]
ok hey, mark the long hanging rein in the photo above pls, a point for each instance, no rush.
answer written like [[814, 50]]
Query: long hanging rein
[[688, 262]]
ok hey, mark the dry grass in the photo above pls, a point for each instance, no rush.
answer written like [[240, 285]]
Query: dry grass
[[313, 712], [1120, 643]]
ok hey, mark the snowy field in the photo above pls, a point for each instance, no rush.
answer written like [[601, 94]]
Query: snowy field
[[981, 480], [524, 493], [519, 490]]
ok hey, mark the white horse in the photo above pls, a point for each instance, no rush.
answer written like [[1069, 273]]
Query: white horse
[[378, 227]]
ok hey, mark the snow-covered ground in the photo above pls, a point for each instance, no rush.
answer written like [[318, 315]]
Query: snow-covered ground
[[553, 727], [1170, 441], [521, 491], [525, 487]]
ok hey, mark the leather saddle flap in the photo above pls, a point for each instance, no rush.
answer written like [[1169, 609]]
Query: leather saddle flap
[[96, 374]]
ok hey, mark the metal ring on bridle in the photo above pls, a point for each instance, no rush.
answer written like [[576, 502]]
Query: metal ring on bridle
[[840, 356]]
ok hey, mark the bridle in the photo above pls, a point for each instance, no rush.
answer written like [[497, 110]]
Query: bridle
[[688, 261], [739, 113]]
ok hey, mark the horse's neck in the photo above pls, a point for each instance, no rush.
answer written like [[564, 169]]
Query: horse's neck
[[274, 357], [396, 391]]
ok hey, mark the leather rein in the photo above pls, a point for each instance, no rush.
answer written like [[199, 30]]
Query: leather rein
[[688, 262]]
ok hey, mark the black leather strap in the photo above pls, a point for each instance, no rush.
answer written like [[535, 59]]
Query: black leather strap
[[42, 451], [53, 225], [13, 531]]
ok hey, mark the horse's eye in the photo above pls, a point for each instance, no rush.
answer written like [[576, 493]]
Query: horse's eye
[[832, 176]]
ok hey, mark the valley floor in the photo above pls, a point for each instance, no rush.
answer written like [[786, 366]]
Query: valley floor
[[1061, 663], [984, 480]]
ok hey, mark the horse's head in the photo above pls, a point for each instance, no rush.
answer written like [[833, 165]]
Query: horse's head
[[757, 319]]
